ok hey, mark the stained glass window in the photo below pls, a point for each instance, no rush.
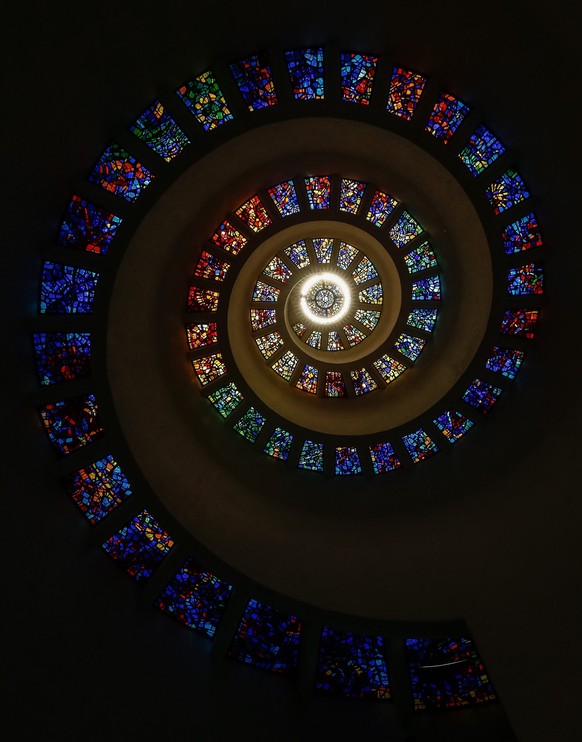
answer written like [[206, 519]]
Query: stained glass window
[[209, 368], [346, 255], [121, 174], [267, 638], [98, 488], [277, 269], [368, 317], [409, 346], [481, 395], [269, 344], [523, 234], [72, 423], [140, 546], [65, 289], [351, 665], [261, 318], [505, 361], [453, 425], [284, 197], [160, 132], [285, 365], [424, 319], [384, 458], [347, 461], [226, 399], [364, 271], [229, 238], [334, 342], [62, 356], [381, 207], [525, 280], [279, 444], [204, 333], [446, 117], [427, 289], [88, 227], [311, 456], [323, 247], [209, 266], [362, 381], [405, 229], [389, 368], [250, 424], [507, 191], [298, 254], [521, 322], [353, 335], [405, 90], [419, 445], [318, 191], [357, 76], [371, 295], [202, 300], [334, 384], [254, 214], [197, 598], [299, 329], [482, 149], [351, 192], [306, 72], [307, 381], [446, 673], [254, 80], [314, 339], [205, 100], [265, 292], [420, 259]]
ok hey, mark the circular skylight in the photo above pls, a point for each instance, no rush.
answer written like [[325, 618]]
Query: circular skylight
[[325, 298]]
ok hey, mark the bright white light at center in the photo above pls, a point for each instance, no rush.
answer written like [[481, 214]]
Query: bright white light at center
[[339, 283]]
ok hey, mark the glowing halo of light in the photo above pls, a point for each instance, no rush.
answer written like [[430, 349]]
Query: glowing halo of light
[[339, 283]]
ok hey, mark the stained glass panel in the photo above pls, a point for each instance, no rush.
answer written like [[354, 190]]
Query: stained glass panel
[[299, 329], [481, 395], [526, 280], [323, 247], [88, 227], [202, 300], [209, 266], [351, 193], [209, 368], [277, 269], [160, 132], [405, 229], [520, 322], [362, 381], [357, 76], [389, 368], [453, 425], [261, 318], [98, 488], [419, 445], [347, 461], [65, 289], [423, 319], [427, 289], [226, 399], [334, 384], [311, 456], [229, 238], [265, 292], [482, 149], [298, 254], [405, 90], [62, 356], [255, 82], [250, 424], [372, 294], [254, 214], [314, 339], [72, 423], [307, 381], [409, 346], [285, 199], [523, 234], [334, 342], [446, 117], [384, 458], [285, 365], [205, 100], [318, 190], [420, 259], [204, 333], [353, 335], [279, 444], [364, 271], [505, 361], [381, 207], [368, 317], [507, 191], [306, 72], [346, 255], [121, 174], [269, 344]]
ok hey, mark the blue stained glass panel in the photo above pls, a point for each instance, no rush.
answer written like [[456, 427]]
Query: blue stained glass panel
[[427, 289], [98, 488], [160, 132], [384, 458], [357, 77], [347, 461], [507, 191], [279, 444], [65, 289], [121, 174], [88, 227], [424, 319], [72, 423], [481, 395], [306, 72], [62, 356], [419, 445], [453, 425], [523, 234], [505, 361], [482, 149], [446, 117], [255, 82], [311, 456]]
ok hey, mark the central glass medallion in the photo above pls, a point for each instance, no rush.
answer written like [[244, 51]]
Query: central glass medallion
[[325, 298]]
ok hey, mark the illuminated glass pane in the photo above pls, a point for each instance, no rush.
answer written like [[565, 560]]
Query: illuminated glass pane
[[346, 255], [523, 234], [427, 289], [205, 100], [160, 132], [357, 76], [351, 666], [209, 368], [121, 174], [98, 488], [306, 72], [424, 319], [196, 597], [229, 238], [381, 207], [254, 80], [204, 333], [250, 424], [226, 399], [405, 229], [254, 214], [269, 344], [525, 280], [389, 368], [362, 381], [140, 546], [202, 300], [446, 117], [88, 227], [446, 673], [279, 444], [62, 356], [65, 289], [334, 384], [72, 423], [384, 458], [351, 192], [505, 361], [364, 271], [483, 149], [285, 365], [209, 266], [481, 395], [347, 461], [353, 335], [410, 346], [298, 254], [405, 90], [420, 259], [323, 247], [265, 292], [311, 457], [419, 445], [261, 318], [453, 425], [307, 381], [507, 191], [284, 197], [278, 270], [318, 191], [334, 342], [371, 295], [267, 638], [368, 317], [299, 329], [520, 322], [314, 339]]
